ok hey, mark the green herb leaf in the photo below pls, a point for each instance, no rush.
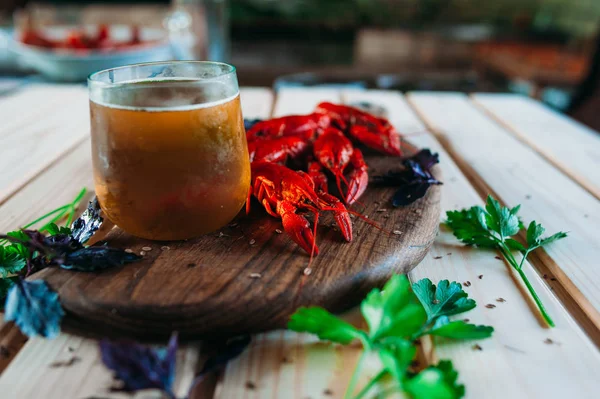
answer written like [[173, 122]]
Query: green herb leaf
[[534, 236], [500, 219], [393, 311], [435, 382], [458, 329], [470, 227], [515, 245], [396, 355], [328, 327], [556, 236], [53, 229], [445, 300], [12, 260]]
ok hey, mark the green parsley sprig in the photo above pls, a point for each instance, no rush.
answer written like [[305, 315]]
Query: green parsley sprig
[[396, 316], [494, 227]]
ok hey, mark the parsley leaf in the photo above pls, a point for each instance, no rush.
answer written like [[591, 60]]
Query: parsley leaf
[[396, 355], [393, 311], [445, 300], [34, 307], [326, 326], [494, 227], [458, 329], [11, 260], [435, 382]]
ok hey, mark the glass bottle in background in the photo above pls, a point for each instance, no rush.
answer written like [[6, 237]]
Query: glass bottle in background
[[199, 29]]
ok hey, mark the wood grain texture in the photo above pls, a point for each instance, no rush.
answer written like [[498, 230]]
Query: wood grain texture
[[498, 163], [285, 364], [52, 120], [572, 147], [204, 286]]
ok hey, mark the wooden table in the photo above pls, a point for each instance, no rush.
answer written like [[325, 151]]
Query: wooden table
[[510, 146]]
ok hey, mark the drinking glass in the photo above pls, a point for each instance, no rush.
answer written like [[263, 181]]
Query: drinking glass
[[169, 148]]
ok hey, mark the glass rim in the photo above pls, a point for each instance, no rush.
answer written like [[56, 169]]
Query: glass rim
[[92, 78]]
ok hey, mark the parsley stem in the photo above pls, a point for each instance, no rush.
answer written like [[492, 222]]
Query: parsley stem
[[371, 383], [536, 298], [355, 375], [62, 208]]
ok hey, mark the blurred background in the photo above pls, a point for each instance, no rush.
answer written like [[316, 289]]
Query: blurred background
[[547, 49]]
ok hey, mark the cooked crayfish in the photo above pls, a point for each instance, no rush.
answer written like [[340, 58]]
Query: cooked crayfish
[[321, 141], [283, 192]]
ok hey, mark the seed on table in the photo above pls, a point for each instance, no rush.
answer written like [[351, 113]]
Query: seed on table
[[147, 249], [255, 275], [397, 232], [500, 300], [250, 385], [129, 250], [252, 241], [490, 306], [477, 347], [307, 271], [165, 248], [381, 210], [480, 276], [437, 257], [278, 231], [467, 283], [142, 253]]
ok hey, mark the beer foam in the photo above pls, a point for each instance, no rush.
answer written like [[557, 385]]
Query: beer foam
[[171, 104]]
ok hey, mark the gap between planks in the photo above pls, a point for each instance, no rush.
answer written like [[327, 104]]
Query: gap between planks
[[570, 295]]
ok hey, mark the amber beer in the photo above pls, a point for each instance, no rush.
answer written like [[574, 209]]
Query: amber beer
[[170, 156]]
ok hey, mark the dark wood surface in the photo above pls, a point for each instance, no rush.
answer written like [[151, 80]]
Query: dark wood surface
[[206, 287]]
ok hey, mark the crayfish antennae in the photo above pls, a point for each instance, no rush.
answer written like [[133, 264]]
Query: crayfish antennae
[[312, 251]]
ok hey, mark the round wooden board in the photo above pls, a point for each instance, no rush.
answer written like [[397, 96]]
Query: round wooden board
[[247, 277]]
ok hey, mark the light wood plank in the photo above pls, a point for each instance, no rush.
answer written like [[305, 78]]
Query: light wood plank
[[39, 124], [508, 366], [566, 143], [30, 373]]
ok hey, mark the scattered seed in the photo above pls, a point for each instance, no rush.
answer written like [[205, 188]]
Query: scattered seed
[[397, 232], [285, 360], [528, 196], [418, 211], [352, 216], [190, 265], [250, 385], [480, 276], [142, 253], [500, 300], [65, 363], [366, 216], [466, 320], [165, 248], [221, 234], [307, 271], [381, 210], [255, 275], [586, 216], [252, 241], [437, 257], [467, 283], [490, 306], [552, 279], [4, 352], [435, 301], [129, 250], [545, 276], [449, 253], [328, 392], [386, 216], [233, 225], [550, 341], [147, 249], [278, 231], [477, 347], [497, 257]]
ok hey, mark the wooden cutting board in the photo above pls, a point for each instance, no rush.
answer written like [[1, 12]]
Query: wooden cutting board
[[248, 277]]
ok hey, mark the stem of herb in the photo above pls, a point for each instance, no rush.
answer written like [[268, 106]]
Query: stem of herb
[[370, 385], [355, 375], [519, 268], [62, 208]]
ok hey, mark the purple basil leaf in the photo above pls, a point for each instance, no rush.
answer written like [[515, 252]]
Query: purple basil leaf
[[141, 367], [86, 225], [223, 353], [96, 258], [248, 123], [34, 307], [409, 193]]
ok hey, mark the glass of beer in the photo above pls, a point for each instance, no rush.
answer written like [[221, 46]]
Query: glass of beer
[[168, 147]]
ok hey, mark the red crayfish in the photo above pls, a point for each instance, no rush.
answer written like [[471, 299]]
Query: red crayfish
[[320, 142]]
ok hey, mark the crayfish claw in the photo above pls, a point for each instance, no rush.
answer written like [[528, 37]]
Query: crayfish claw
[[297, 227], [342, 218], [358, 177]]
